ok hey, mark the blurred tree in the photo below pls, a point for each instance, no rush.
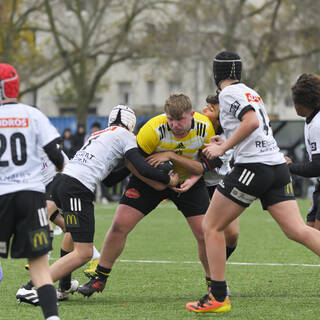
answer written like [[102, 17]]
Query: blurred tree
[[277, 39], [18, 45], [92, 36]]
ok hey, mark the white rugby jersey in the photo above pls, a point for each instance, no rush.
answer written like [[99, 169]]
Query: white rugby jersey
[[48, 169], [312, 135], [23, 129], [100, 155], [260, 146]]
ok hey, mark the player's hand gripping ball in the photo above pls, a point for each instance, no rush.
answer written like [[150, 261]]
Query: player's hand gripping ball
[[166, 166]]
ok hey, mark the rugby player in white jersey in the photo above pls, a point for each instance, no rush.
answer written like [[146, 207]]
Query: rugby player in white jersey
[[66, 285], [23, 215], [73, 190], [306, 99], [260, 171], [184, 131]]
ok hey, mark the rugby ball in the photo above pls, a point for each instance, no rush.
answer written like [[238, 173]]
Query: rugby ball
[[166, 166]]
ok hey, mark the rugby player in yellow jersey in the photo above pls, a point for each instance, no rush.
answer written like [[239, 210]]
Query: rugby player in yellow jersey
[[183, 131]]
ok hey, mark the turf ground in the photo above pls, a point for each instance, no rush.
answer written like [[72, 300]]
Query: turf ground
[[269, 276]]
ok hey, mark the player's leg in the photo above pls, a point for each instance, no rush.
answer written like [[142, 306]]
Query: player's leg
[[93, 263], [195, 223], [230, 199], [66, 285], [78, 257], [32, 241], [293, 225], [194, 204], [214, 225], [125, 219], [46, 292], [138, 200], [317, 224], [231, 234]]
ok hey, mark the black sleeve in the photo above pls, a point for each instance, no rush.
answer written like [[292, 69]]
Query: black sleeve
[[245, 110], [54, 153], [307, 169], [208, 164], [116, 176], [144, 168]]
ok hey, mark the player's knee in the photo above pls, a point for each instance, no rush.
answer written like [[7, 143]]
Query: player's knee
[[119, 228], [84, 254], [296, 234]]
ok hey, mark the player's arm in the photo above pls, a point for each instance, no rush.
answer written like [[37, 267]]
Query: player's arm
[[249, 123], [306, 169], [152, 183], [54, 153], [115, 176], [194, 167], [143, 168]]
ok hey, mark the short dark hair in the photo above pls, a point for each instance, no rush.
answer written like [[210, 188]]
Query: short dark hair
[[306, 91], [212, 99], [96, 124]]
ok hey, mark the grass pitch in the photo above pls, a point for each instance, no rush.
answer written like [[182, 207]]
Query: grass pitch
[[269, 276]]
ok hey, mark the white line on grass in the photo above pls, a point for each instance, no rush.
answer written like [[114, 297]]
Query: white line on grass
[[232, 263]]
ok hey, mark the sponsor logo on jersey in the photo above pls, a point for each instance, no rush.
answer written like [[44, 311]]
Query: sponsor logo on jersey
[[252, 98], [39, 239], [14, 122], [313, 146], [180, 146], [72, 220], [234, 108], [289, 189], [242, 196], [132, 193]]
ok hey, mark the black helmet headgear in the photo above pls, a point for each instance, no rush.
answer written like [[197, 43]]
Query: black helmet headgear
[[226, 65]]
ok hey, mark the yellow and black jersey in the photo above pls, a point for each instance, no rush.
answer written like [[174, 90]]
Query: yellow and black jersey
[[156, 136]]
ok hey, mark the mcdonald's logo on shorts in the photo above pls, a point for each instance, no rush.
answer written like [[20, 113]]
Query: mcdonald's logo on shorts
[[39, 239], [289, 189], [72, 220]]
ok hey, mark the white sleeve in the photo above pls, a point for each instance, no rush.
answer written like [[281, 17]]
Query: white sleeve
[[46, 131], [129, 141], [234, 103]]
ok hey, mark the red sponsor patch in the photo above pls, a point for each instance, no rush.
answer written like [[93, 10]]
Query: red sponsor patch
[[252, 98], [14, 122], [132, 193]]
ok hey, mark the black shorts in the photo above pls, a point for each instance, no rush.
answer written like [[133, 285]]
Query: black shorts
[[246, 182], [24, 218], [144, 198], [314, 211], [211, 190], [76, 202]]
